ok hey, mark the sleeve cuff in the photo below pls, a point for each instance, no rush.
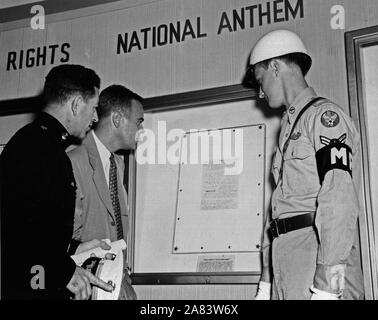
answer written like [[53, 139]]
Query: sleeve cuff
[[73, 246], [330, 279], [323, 295]]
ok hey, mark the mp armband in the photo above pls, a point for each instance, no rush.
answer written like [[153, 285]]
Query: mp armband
[[335, 155]]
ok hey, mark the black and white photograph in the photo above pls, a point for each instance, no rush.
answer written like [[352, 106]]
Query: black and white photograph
[[208, 152]]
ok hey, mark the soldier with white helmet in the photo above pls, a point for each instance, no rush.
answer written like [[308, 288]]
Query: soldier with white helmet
[[313, 251]]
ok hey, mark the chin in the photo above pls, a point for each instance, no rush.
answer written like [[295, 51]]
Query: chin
[[83, 135], [132, 147], [274, 105]]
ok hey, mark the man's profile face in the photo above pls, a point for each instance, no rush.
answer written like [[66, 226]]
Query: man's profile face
[[131, 125], [269, 87], [87, 115]]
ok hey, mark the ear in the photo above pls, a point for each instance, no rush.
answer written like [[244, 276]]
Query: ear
[[274, 64], [116, 119], [75, 104]]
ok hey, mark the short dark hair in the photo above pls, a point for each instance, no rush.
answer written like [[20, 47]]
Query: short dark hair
[[116, 98], [303, 61], [67, 79]]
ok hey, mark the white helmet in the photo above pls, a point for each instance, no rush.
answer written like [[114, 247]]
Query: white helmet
[[278, 43]]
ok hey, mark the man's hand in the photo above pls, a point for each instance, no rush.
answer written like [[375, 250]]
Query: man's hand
[[88, 245], [80, 284]]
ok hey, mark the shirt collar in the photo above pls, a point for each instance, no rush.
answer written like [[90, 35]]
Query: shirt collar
[[299, 102], [55, 128], [102, 150]]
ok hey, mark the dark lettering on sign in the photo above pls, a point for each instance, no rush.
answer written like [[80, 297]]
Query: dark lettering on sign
[[161, 35], [65, 54], [36, 57], [239, 19], [262, 13]]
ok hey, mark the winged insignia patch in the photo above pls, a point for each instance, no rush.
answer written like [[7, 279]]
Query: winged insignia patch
[[330, 119]]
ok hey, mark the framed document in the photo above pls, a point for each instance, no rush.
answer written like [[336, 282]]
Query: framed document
[[199, 188], [220, 201]]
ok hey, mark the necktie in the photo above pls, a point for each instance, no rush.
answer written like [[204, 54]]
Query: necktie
[[114, 196]]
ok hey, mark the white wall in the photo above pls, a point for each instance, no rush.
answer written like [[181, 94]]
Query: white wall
[[211, 61], [208, 62]]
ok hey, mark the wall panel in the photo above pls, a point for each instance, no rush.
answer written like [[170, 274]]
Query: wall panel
[[209, 62], [213, 61]]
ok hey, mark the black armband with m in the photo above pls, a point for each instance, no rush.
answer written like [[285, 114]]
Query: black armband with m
[[335, 155]]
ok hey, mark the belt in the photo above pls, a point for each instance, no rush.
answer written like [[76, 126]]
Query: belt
[[282, 226]]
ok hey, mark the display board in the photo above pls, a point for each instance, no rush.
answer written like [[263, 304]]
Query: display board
[[173, 208], [220, 201]]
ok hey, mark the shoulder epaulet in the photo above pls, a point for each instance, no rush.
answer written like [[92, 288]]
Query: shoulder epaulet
[[321, 102]]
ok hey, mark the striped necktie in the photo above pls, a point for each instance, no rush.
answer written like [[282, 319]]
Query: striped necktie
[[114, 195]]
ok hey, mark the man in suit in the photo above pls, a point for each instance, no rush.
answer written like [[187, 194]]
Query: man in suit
[[38, 193], [101, 200]]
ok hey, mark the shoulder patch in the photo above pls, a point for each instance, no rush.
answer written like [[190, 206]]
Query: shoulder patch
[[330, 119]]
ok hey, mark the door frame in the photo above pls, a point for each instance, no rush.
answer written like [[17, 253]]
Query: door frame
[[355, 41]]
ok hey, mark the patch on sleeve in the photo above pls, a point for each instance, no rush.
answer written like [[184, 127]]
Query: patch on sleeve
[[335, 155], [327, 141], [330, 119]]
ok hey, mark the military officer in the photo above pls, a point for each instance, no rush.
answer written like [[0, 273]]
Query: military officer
[[313, 243], [38, 193]]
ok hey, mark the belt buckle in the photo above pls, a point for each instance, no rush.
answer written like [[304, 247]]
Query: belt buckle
[[274, 229]]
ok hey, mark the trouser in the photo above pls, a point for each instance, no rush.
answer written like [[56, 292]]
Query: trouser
[[127, 292], [294, 263], [294, 257]]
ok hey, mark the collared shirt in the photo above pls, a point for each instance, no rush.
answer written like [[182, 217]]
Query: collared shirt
[[300, 187], [104, 156], [286, 200], [297, 191]]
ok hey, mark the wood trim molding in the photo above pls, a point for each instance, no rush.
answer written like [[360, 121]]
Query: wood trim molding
[[246, 278], [161, 103], [354, 41]]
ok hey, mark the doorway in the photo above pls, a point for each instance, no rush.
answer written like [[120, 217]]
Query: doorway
[[362, 68]]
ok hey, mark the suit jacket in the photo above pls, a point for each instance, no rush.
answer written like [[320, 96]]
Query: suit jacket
[[94, 214], [37, 211]]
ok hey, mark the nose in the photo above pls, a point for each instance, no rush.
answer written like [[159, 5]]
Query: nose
[[139, 132], [95, 116], [261, 94]]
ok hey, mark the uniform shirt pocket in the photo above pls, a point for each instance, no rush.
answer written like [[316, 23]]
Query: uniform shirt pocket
[[299, 169], [298, 150]]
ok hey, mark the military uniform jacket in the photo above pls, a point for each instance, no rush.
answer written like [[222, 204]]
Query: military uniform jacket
[[37, 212], [315, 175]]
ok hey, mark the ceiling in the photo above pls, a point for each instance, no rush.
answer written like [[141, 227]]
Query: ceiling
[[11, 10], [13, 3]]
